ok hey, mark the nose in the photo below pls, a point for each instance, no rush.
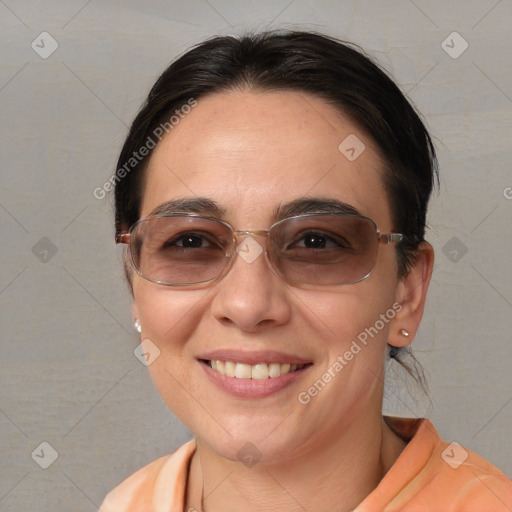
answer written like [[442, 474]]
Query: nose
[[251, 295]]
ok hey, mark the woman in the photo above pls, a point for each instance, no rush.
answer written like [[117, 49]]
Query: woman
[[272, 192]]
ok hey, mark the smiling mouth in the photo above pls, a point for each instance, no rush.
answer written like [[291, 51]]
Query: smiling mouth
[[260, 371]]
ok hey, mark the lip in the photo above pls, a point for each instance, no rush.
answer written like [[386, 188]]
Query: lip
[[253, 357], [252, 388]]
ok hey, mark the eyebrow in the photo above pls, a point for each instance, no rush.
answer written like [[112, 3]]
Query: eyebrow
[[207, 206], [313, 205], [202, 205]]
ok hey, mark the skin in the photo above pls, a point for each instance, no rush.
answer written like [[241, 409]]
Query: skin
[[250, 151]]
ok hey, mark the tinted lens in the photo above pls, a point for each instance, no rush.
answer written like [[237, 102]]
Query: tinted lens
[[180, 250], [324, 249]]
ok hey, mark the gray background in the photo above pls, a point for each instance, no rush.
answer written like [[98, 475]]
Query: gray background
[[68, 373]]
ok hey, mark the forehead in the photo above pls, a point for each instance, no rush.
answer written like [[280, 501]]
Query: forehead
[[250, 152]]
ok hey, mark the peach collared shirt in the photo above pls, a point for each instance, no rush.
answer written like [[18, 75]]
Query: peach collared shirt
[[430, 475]]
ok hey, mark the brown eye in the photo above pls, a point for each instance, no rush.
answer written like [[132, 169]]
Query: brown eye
[[187, 241], [319, 240]]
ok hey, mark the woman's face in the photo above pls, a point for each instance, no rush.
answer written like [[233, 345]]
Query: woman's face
[[251, 153]]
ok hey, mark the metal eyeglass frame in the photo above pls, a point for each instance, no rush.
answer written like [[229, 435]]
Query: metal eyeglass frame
[[125, 238]]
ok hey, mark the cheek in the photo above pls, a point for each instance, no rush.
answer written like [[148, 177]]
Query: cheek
[[351, 329], [168, 317], [339, 317], [348, 330]]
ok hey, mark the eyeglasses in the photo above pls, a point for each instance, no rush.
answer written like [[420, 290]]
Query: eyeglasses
[[318, 249]]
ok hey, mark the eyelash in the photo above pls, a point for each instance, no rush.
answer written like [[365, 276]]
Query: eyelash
[[181, 236], [339, 242]]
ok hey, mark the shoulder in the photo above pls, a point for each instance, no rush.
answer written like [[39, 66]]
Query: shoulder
[[432, 475], [469, 480], [159, 484]]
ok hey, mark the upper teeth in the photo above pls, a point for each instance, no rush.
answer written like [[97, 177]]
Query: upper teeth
[[255, 371]]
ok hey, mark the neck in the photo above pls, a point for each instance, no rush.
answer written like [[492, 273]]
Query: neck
[[336, 475]]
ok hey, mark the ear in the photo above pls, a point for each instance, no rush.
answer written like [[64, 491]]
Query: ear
[[411, 294], [135, 311]]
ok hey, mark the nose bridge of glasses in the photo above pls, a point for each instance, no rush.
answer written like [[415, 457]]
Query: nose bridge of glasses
[[240, 235], [256, 232]]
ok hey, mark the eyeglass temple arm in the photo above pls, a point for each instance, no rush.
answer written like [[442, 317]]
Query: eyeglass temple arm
[[122, 238], [391, 238]]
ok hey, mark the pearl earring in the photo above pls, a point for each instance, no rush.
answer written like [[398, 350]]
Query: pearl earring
[[137, 326], [404, 333]]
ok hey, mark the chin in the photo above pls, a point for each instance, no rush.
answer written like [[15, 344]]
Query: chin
[[250, 450]]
